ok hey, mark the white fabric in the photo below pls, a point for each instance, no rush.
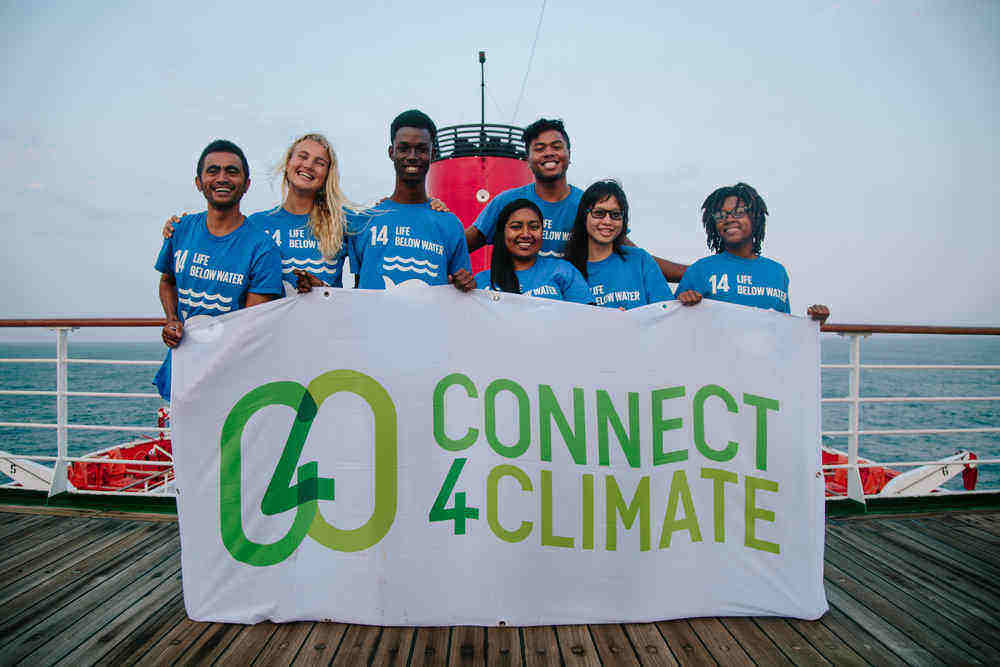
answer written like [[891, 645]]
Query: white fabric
[[423, 572]]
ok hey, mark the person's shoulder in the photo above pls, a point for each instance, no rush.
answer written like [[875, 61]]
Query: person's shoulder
[[191, 219], [632, 252], [483, 279], [520, 192], [706, 262], [257, 236], [575, 192], [774, 266]]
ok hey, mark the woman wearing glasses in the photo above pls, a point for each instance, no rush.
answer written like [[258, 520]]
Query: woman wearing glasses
[[516, 266], [619, 275], [734, 219]]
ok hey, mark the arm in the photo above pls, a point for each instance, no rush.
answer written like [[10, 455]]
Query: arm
[[168, 226], [254, 299], [672, 271], [474, 238], [173, 330]]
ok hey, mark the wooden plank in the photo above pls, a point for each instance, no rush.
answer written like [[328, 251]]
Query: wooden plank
[[173, 644], [612, 644], [125, 515], [920, 632], [28, 522], [105, 638], [503, 647], [953, 546], [88, 557], [761, 649], [928, 573], [430, 647], [576, 645], [898, 641], [971, 529], [249, 644], [649, 644], [792, 644], [988, 522], [468, 645], [394, 647], [716, 638], [25, 540], [829, 645], [285, 643], [152, 629], [859, 639], [58, 546], [209, 645], [86, 592], [865, 585], [977, 619], [63, 631], [540, 646], [321, 644], [684, 643], [358, 645]]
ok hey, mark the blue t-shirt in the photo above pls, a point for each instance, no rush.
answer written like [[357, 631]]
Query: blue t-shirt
[[299, 248], [547, 278], [758, 282], [214, 274], [557, 217], [627, 282], [392, 243]]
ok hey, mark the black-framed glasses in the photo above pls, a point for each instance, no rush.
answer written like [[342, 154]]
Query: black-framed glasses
[[738, 212], [599, 213]]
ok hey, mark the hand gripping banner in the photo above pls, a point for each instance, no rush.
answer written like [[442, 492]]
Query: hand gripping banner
[[424, 457]]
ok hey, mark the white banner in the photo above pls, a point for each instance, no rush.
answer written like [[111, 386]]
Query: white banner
[[424, 457]]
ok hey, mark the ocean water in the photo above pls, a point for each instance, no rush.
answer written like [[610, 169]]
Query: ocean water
[[879, 349]]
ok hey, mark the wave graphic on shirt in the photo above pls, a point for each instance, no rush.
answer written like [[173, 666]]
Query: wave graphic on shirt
[[550, 253], [204, 295], [410, 265], [390, 283], [205, 305]]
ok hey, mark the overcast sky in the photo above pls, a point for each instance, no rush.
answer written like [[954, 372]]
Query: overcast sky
[[870, 128]]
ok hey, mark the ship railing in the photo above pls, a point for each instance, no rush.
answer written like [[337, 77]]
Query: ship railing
[[854, 399], [480, 140], [62, 425]]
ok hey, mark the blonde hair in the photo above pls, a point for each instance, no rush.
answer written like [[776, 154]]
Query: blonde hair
[[327, 221]]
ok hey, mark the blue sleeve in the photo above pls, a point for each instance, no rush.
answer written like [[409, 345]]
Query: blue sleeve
[[338, 261], [356, 249], [165, 260], [653, 281], [483, 279], [575, 287], [265, 271], [458, 257], [486, 221], [691, 280]]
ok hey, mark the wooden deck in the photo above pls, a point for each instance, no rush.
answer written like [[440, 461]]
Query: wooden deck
[[83, 590]]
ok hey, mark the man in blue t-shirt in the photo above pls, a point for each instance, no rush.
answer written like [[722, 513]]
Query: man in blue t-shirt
[[548, 157], [403, 238], [214, 263]]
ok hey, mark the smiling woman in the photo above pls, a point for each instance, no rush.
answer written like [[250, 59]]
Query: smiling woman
[[516, 266]]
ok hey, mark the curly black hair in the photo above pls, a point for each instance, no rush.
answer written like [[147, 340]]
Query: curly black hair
[[753, 201]]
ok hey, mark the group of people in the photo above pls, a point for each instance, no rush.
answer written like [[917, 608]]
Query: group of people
[[550, 239]]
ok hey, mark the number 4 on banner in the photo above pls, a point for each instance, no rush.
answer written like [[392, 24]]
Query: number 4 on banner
[[459, 513]]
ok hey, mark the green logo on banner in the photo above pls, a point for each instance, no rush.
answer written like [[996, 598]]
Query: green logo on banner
[[309, 488]]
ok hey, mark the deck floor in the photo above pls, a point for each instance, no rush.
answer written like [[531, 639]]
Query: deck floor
[[902, 590]]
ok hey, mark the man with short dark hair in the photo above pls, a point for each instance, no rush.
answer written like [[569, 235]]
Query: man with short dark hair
[[548, 158], [214, 263], [403, 238]]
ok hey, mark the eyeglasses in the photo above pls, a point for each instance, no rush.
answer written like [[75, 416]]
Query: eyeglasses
[[599, 214], [735, 213]]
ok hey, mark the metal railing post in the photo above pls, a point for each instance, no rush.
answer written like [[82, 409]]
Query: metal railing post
[[855, 490], [62, 412]]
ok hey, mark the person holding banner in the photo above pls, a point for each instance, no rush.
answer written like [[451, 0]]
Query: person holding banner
[[619, 275], [402, 238], [734, 220], [517, 267], [214, 262]]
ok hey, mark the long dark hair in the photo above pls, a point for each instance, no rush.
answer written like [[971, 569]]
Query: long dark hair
[[502, 274], [757, 210], [576, 247]]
